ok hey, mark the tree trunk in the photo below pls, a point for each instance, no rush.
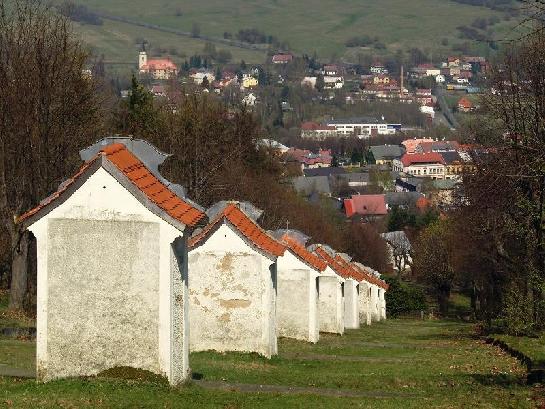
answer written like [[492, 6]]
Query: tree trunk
[[19, 273], [442, 299]]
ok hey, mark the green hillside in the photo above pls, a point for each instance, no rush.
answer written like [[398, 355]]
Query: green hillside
[[321, 26]]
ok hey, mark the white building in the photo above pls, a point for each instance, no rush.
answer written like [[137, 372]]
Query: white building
[[297, 300], [333, 82], [158, 68], [112, 276], [362, 127], [233, 283], [199, 76], [428, 165]]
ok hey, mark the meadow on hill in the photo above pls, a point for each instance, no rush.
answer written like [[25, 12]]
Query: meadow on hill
[[308, 26]]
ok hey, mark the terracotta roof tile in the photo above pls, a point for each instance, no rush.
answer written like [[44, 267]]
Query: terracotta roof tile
[[349, 270], [432, 157], [143, 179], [245, 225], [304, 254], [339, 269]]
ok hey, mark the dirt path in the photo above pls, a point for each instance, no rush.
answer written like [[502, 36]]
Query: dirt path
[[346, 393], [16, 372]]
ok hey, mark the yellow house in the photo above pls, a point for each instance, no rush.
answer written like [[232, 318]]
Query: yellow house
[[249, 82], [381, 79]]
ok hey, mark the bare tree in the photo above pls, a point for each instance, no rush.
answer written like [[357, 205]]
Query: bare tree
[[400, 250], [48, 111]]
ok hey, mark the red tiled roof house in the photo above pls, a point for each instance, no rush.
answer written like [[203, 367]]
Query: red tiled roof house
[[366, 205], [157, 68], [427, 165], [233, 264], [297, 300], [465, 105], [112, 283]]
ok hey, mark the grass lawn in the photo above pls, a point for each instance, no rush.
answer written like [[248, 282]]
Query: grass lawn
[[393, 364], [534, 348], [118, 43], [309, 25]]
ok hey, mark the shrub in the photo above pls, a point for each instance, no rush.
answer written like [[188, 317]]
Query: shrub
[[403, 297]]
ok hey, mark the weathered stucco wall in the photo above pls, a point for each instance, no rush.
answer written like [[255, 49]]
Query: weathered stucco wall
[[297, 299], [351, 304], [382, 303], [232, 296], [102, 293], [365, 303], [375, 303], [331, 304], [109, 290]]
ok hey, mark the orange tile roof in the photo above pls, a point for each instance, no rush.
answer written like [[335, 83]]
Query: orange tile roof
[[350, 270], [304, 254], [339, 269], [371, 278], [142, 178], [245, 225]]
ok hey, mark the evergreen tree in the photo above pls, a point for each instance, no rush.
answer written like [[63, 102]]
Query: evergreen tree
[[320, 83], [141, 113]]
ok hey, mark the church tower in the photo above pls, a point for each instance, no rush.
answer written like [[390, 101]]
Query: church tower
[[142, 59]]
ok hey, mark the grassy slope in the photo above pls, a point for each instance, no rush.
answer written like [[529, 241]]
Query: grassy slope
[[309, 25], [534, 348], [117, 41], [399, 363]]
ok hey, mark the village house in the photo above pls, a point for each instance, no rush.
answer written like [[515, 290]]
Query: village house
[[157, 68], [249, 100], [426, 165], [111, 267], [331, 82], [381, 79], [332, 70], [385, 154], [424, 96], [282, 58], [378, 68], [454, 165], [309, 82], [465, 105], [297, 299], [412, 144], [249, 81], [233, 264], [198, 76], [308, 159], [367, 206]]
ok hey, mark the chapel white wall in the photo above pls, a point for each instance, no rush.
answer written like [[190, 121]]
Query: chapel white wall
[[297, 300], [232, 296], [106, 286]]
